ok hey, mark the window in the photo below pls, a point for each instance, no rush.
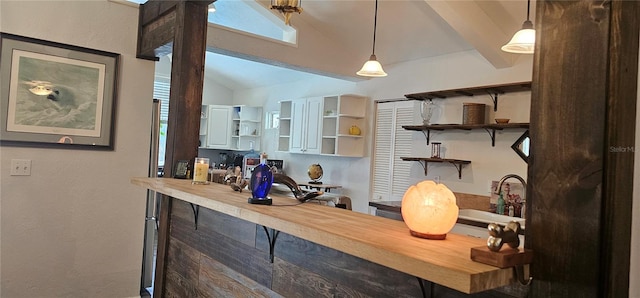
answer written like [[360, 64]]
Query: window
[[250, 17], [161, 92], [272, 120]]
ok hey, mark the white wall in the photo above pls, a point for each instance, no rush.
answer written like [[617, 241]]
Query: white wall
[[74, 228], [465, 69], [213, 93]]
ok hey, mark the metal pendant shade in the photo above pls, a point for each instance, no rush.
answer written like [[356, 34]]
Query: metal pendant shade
[[373, 68], [523, 42]]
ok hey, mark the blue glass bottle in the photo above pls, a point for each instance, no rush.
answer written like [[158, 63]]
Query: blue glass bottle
[[260, 184], [261, 180]]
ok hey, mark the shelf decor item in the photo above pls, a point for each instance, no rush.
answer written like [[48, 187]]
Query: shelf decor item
[[260, 184], [429, 209], [200, 170], [473, 113], [426, 111], [315, 173], [435, 150], [354, 130]]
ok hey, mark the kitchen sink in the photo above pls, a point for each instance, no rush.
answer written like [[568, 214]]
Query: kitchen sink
[[488, 217]]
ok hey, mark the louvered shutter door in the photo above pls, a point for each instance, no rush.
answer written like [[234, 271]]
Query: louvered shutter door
[[390, 173], [382, 151], [402, 148]]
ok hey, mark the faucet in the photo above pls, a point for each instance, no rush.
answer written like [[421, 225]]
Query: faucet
[[298, 193], [524, 186]]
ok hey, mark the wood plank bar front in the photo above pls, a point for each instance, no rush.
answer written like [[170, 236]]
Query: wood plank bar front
[[379, 240]]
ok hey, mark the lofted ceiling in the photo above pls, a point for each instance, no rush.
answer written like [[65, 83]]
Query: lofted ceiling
[[406, 30]]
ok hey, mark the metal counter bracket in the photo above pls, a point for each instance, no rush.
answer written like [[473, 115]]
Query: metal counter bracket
[[423, 289], [519, 271], [196, 211], [271, 237]]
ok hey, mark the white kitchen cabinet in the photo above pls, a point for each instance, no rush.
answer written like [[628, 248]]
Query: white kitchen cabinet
[[320, 125], [341, 113], [218, 132], [284, 128], [247, 128], [306, 125], [230, 127]]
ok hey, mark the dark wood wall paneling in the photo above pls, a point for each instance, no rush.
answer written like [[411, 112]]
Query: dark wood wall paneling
[[583, 102], [229, 257], [619, 148]]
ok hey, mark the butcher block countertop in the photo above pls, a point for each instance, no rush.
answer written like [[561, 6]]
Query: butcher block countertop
[[376, 239]]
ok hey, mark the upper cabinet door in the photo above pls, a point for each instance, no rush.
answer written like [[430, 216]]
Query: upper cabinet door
[[306, 125], [298, 125], [219, 127], [314, 125]]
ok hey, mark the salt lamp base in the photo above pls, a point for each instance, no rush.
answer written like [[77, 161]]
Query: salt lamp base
[[428, 236]]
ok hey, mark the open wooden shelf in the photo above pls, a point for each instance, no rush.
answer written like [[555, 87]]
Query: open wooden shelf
[[490, 128], [491, 90], [424, 161]]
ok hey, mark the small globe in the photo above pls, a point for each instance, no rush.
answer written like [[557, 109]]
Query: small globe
[[315, 172]]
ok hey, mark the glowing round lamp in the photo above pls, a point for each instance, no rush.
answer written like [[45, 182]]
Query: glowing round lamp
[[429, 209]]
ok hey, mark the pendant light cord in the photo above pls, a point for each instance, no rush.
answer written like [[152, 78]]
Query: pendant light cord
[[528, 7], [375, 23]]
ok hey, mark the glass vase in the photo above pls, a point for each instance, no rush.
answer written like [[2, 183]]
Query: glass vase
[[261, 181], [426, 111]]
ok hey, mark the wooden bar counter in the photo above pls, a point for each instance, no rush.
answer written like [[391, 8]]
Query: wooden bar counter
[[337, 247]]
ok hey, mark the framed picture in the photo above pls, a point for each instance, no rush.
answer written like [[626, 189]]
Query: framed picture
[[181, 169], [55, 94]]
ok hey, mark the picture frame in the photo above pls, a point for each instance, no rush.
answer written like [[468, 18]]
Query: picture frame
[[56, 95], [181, 169]]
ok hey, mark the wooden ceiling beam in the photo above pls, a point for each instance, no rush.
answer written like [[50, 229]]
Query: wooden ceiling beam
[[156, 27], [477, 28]]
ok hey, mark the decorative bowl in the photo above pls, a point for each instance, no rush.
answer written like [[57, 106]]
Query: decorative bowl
[[502, 120]]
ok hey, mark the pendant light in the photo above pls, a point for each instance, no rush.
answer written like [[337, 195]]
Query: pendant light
[[373, 68], [523, 42]]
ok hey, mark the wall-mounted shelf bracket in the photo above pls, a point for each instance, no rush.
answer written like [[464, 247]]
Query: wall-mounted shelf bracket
[[492, 135], [271, 237], [196, 211], [427, 134], [494, 98], [424, 161]]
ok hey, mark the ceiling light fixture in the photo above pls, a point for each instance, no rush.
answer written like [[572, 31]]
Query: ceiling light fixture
[[524, 41], [287, 7], [373, 68], [212, 8]]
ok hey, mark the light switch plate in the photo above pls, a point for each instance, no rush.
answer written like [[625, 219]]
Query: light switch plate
[[20, 167]]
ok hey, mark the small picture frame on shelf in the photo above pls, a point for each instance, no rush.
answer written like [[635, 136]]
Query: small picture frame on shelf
[[181, 169]]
